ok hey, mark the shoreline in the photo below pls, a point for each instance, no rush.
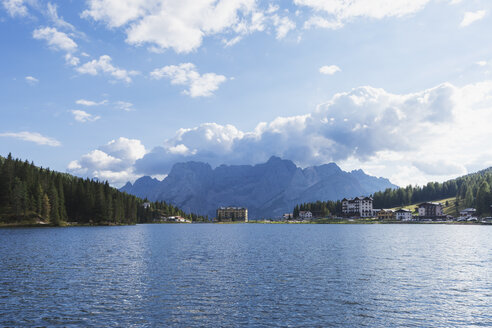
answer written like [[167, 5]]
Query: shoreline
[[68, 224], [374, 222], [49, 225]]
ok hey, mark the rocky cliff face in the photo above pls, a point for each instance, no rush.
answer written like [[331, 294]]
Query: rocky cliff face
[[267, 190]]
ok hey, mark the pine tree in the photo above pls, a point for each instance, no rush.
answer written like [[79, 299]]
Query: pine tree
[[45, 208], [61, 201], [483, 199], [54, 205], [19, 198], [469, 200]]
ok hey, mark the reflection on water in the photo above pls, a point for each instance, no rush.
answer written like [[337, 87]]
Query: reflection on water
[[247, 275]]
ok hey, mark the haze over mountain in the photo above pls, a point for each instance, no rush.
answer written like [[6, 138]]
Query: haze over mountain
[[267, 190]]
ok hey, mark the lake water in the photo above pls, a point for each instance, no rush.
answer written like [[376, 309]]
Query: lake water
[[247, 275]]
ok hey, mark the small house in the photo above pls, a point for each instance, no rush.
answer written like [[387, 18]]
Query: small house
[[305, 215], [404, 214]]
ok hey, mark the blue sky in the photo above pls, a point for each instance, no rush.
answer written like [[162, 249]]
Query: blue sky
[[120, 89]]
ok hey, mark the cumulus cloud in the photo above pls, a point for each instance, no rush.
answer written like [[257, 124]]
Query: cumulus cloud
[[329, 70], [182, 25], [427, 135], [15, 7], [32, 137], [177, 24], [186, 74], [56, 40], [333, 13], [31, 80], [104, 65], [83, 117], [472, 17], [357, 124], [113, 161]]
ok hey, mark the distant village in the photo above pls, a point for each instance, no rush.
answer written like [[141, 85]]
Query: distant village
[[358, 208], [362, 208]]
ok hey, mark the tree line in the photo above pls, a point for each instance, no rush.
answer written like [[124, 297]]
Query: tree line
[[319, 209], [472, 190], [32, 194]]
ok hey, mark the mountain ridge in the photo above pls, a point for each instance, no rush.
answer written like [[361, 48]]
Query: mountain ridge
[[267, 189]]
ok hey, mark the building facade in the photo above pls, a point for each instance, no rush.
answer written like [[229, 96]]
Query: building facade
[[358, 206], [232, 214], [305, 215], [430, 210], [386, 214], [404, 215], [468, 212], [288, 216]]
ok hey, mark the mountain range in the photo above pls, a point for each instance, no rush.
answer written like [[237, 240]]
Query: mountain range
[[268, 190]]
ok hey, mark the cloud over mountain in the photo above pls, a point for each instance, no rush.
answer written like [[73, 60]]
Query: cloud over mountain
[[356, 124], [113, 161], [365, 127]]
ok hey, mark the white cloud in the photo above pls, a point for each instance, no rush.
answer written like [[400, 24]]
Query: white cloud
[[231, 42], [57, 20], [334, 13], [72, 60], [31, 80], [104, 65], [182, 25], [177, 24], [186, 74], [15, 7], [124, 105], [90, 103], [283, 25], [32, 137], [440, 167], [113, 161], [471, 17], [83, 116], [125, 149], [317, 21], [55, 39], [482, 63], [179, 149], [329, 70], [433, 134]]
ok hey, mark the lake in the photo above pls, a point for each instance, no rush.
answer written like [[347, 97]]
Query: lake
[[224, 275]]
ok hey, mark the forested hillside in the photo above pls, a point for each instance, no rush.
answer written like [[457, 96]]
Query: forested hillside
[[472, 190], [319, 209], [32, 194]]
